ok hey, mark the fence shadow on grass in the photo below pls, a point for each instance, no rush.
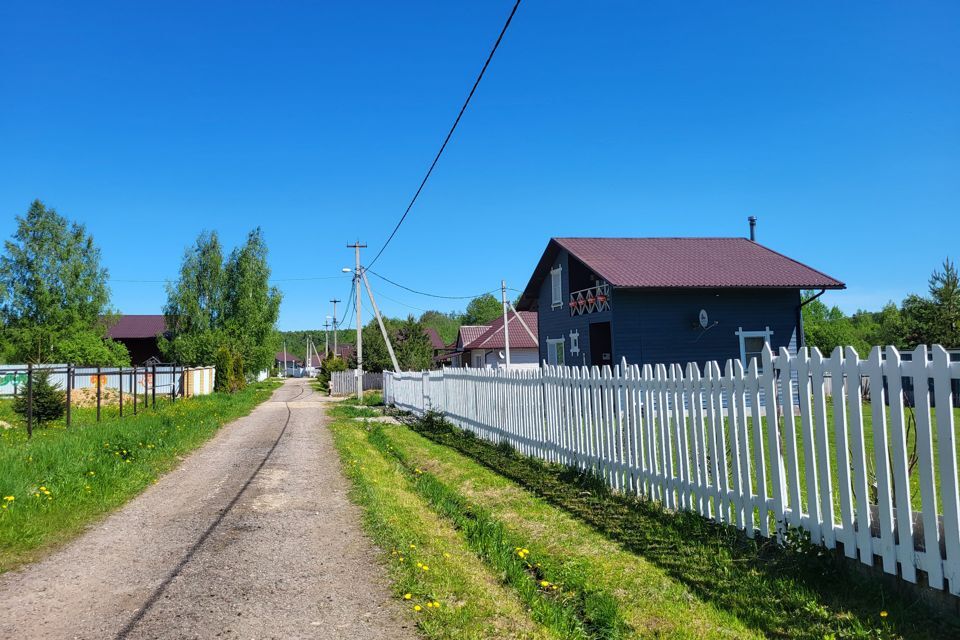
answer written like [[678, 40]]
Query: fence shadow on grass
[[796, 590]]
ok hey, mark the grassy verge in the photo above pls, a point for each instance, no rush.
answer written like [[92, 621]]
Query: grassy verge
[[572, 608], [651, 603], [428, 559], [63, 479], [795, 592]]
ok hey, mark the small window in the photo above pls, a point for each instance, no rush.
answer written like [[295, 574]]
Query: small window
[[556, 282], [555, 351], [751, 346]]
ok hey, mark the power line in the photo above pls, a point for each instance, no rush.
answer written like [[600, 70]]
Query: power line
[[271, 280], [430, 295], [449, 134]]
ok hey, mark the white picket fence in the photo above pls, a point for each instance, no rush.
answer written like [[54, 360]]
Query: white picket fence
[[759, 449], [344, 383]]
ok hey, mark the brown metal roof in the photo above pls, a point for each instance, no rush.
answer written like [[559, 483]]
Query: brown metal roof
[[137, 326], [682, 263], [469, 333], [435, 341], [493, 337]]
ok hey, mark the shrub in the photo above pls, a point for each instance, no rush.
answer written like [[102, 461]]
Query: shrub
[[238, 377], [223, 361], [330, 364], [49, 401]]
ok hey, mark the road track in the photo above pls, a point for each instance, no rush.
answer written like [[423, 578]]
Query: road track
[[252, 536]]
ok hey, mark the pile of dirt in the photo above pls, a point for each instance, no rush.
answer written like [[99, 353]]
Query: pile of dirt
[[87, 397]]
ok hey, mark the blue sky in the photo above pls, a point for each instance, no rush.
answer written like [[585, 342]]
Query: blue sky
[[837, 124]]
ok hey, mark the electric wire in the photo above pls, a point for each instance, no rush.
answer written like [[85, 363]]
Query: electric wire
[[449, 134], [425, 293]]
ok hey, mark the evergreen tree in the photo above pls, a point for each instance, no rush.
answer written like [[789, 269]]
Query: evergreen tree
[[49, 401]]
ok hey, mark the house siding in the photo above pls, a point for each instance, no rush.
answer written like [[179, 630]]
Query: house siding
[[558, 323], [662, 326]]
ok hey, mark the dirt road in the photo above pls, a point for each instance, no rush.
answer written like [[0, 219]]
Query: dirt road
[[251, 537]]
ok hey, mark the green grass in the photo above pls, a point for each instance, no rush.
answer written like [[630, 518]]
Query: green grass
[[800, 591], [572, 608], [650, 602], [473, 602], [62, 479]]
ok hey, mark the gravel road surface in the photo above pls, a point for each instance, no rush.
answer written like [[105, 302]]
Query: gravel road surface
[[251, 537]]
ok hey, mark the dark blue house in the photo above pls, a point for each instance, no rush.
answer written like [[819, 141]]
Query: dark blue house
[[666, 300]]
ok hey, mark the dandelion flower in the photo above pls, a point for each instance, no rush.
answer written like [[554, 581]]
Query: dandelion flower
[[544, 583], [9, 498], [425, 568], [436, 605], [417, 607], [883, 614], [407, 596]]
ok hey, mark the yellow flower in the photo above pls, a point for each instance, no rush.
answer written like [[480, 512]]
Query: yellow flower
[[425, 568], [544, 583], [91, 473], [446, 555], [436, 605], [883, 614], [416, 607], [9, 498], [43, 488], [407, 596]]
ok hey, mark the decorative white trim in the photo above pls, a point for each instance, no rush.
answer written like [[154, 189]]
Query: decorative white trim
[[556, 287], [552, 351], [574, 342], [743, 335]]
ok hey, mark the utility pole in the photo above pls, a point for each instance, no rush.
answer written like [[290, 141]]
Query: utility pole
[[356, 246], [335, 301], [506, 321], [383, 328], [326, 339], [284, 357]]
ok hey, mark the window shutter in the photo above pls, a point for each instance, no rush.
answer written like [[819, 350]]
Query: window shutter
[[557, 299]]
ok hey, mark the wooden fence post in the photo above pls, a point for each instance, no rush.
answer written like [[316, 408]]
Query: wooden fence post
[[133, 388], [153, 387], [69, 392], [29, 401], [98, 394]]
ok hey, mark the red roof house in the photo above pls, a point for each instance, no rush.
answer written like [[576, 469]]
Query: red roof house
[[139, 333], [666, 300]]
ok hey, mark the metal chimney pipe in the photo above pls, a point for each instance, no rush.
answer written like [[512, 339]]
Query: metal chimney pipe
[[753, 228]]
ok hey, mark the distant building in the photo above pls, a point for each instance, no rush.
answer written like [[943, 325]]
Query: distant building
[[489, 348], [139, 333]]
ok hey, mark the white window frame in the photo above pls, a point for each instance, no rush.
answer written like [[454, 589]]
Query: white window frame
[[556, 287], [479, 360], [743, 335], [552, 358]]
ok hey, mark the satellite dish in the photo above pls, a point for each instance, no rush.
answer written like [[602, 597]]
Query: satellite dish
[[502, 356], [704, 318]]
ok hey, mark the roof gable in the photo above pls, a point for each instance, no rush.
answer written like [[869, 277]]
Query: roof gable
[[493, 337], [470, 332]]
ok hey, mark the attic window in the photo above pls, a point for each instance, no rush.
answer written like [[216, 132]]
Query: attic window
[[556, 300]]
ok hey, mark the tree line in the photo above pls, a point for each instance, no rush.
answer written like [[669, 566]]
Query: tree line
[[933, 318], [55, 301], [410, 341]]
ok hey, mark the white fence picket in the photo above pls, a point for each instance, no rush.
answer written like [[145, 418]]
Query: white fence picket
[[727, 445]]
